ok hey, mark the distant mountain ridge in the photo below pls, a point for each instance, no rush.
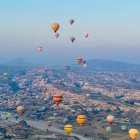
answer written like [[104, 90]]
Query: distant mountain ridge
[[93, 65], [21, 63], [110, 65]]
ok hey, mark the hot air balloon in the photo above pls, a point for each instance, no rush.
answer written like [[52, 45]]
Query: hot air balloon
[[49, 123], [110, 119], [109, 129], [57, 35], [67, 67], [17, 102], [57, 99], [86, 35], [55, 27], [71, 21], [123, 128], [79, 60], [131, 102], [20, 110], [40, 49], [73, 111], [54, 114], [133, 133], [66, 120], [85, 65], [72, 39], [37, 97], [5, 74], [84, 61], [78, 84], [68, 128], [81, 120], [9, 115], [87, 95]]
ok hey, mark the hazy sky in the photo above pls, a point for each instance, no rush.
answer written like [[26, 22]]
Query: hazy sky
[[113, 27]]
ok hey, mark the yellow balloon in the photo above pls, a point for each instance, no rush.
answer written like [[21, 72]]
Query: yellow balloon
[[133, 133], [55, 27], [81, 119], [68, 128]]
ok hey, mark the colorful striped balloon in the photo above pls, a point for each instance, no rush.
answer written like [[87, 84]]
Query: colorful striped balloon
[[57, 99], [81, 120], [20, 110]]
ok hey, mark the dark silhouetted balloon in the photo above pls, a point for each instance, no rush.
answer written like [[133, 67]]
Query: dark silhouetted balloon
[[72, 39], [40, 49], [67, 67], [131, 102], [86, 35], [71, 21], [57, 35]]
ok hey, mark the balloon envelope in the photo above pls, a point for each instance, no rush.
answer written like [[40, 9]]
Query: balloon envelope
[[73, 111], [109, 129], [132, 102], [20, 110], [17, 102], [55, 27], [133, 133], [57, 35], [81, 120], [66, 120], [78, 84], [40, 49], [72, 39], [79, 60], [68, 128], [71, 21], [84, 61], [67, 67], [85, 65], [123, 128], [57, 99], [5, 74], [110, 119], [49, 123], [9, 115], [54, 114], [86, 35]]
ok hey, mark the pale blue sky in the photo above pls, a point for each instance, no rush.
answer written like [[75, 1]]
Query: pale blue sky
[[113, 26]]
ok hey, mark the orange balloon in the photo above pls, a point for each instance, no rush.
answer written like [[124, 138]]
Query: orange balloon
[[133, 133], [55, 27], [57, 99], [81, 120]]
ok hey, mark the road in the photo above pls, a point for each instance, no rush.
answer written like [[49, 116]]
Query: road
[[42, 126]]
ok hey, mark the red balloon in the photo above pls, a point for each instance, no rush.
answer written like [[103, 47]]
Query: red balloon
[[57, 99], [79, 60]]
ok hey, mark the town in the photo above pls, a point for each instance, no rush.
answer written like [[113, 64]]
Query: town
[[95, 94]]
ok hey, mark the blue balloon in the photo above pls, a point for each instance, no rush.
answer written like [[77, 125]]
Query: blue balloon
[[131, 102]]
